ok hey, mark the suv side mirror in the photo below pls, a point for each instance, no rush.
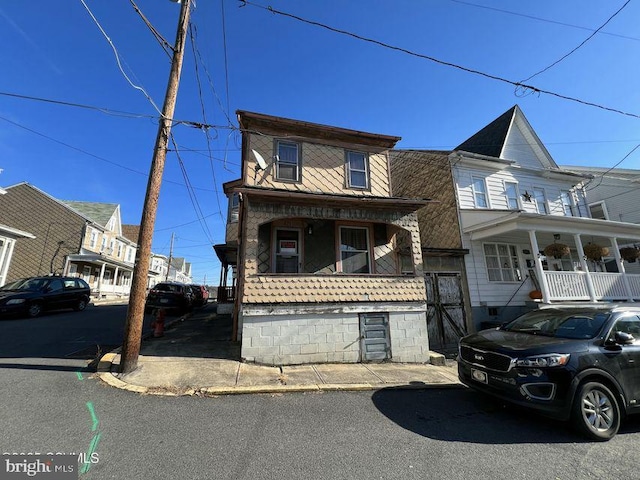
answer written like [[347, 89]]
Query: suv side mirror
[[624, 338]]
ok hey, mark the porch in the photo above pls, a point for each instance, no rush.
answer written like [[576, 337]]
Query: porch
[[572, 275]]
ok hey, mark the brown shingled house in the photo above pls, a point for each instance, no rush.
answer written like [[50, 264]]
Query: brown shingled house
[[327, 263], [420, 173]]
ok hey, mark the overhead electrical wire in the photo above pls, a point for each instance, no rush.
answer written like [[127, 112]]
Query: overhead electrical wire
[[166, 46], [117, 55], [97, 157], [438, 61], [540, 19], [580, 45]]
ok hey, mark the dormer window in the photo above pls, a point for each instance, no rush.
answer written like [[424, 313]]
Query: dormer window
[[357, 166], [287, 161]]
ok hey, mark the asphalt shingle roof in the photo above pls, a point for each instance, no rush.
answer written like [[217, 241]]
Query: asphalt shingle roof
[[490, 140], [100, 213]]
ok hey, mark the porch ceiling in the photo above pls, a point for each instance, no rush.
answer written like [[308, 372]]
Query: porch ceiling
[[514, 225]]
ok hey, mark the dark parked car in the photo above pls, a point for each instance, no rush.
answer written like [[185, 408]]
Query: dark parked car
[[200, 295], [172, 296], [574, 363], [32, 296]]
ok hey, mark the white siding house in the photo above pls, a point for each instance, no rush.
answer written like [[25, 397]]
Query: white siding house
[[513, 202]]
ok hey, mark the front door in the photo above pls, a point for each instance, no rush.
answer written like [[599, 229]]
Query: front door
[[375, 344], [445, 311]]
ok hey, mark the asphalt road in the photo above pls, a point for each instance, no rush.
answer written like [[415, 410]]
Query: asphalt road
[[50, 403]]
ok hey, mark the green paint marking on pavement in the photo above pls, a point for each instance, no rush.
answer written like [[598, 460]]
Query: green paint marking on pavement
[[94, 417], [79, 375], [92, 448]]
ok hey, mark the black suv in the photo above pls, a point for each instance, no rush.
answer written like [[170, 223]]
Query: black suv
[[572, 363], [32, 296], [172, 296]]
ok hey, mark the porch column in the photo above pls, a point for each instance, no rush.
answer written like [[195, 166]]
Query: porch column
[[101, 278], [65, 270], [585, 267], [539, 270], [621, 269]]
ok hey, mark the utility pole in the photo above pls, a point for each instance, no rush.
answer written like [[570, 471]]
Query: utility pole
[[170, 258], [135, 312]]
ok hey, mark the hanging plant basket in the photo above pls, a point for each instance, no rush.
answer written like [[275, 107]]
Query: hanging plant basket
[[557, 250], [630, 254], [595, 252]]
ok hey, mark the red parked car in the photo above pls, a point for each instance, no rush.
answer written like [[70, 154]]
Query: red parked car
[[201, 294]]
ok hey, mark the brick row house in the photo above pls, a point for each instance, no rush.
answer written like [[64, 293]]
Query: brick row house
[[323, 263]]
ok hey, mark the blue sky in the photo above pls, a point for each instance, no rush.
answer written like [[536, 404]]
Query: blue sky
[[277, 65]]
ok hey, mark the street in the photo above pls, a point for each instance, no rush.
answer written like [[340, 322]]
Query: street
[[51, 403]]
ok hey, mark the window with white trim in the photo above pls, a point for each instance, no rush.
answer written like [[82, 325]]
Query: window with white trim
[[119, 249], [103, 246], [357, 165], [566, 197], [598, 210], [540, 200], [512, 195], [354, 250], [287, 161], [479, 188], [502, 262], [94, 239]]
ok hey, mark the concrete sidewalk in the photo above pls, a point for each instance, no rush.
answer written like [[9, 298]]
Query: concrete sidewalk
[[196, 357]]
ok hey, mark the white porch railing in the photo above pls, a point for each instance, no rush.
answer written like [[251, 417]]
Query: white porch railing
[[607, 286], [567, 285], [106, 289]]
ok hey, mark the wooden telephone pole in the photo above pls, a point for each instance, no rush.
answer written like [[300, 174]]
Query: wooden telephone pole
[[135, 313]]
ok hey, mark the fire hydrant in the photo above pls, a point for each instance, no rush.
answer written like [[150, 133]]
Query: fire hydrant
[[158, 324]]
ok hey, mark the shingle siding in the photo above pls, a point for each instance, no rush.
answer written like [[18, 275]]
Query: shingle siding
[[26, 208]]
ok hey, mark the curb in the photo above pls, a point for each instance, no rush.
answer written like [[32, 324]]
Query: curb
[[105, 374]]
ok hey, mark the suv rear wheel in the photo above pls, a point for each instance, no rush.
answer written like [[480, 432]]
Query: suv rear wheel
[[595, 412], [80, 305]]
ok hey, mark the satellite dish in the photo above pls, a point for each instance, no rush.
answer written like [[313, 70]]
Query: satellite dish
[[262, 165]]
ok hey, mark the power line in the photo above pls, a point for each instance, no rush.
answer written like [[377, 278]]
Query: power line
[[166, 46], [441, 62], [508, 12], [117, 55], [97, 157], [581, 44]]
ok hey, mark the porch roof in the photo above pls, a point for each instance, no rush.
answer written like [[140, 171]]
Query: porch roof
[[332, 200], [483, 224], [99, 259]]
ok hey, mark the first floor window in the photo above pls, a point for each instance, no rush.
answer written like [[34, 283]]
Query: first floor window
[[287, 257], [354, 250], [502, 262]]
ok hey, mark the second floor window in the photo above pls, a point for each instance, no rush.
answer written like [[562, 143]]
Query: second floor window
[[540, 200], [512, 196], [94, 239], [357, 170], [567, 203], [480, 193], [234, 207], [103, 246], [119, 249], [287, 161], [599, 210]]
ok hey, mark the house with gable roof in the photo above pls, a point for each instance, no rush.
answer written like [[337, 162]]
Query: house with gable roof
[[71, 238], [526, 224]]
